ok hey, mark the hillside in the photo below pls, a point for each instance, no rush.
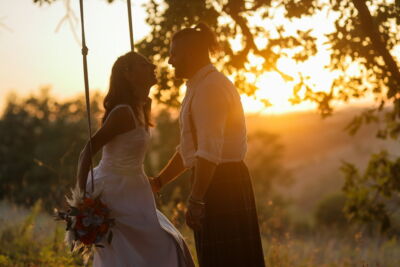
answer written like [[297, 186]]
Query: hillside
[[314, 149]]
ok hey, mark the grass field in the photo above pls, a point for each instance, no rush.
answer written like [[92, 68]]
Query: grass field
[[31, 238]]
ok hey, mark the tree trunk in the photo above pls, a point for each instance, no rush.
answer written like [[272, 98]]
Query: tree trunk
[[372, 31]]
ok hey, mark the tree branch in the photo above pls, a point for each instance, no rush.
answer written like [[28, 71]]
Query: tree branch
[[372, 31]]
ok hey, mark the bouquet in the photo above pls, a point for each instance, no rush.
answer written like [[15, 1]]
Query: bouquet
[[88, 222]]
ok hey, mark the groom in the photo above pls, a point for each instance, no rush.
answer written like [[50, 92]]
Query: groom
[[221, 207]]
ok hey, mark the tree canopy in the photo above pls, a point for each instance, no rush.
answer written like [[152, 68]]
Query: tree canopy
[[365, 37]]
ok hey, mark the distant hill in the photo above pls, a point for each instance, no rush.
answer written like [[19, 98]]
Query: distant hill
[[314, 149]]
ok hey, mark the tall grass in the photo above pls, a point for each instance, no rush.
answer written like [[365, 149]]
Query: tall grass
[[32, 238], [330, 250]]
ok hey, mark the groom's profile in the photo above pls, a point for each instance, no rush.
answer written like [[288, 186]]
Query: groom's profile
[[221, 206]]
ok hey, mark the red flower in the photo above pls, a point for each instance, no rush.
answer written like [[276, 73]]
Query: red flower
[[103, 228], [100, 212], [79, 224], [88, 202], [90, 237]]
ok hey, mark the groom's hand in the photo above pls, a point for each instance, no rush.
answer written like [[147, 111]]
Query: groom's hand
[[195, 214]]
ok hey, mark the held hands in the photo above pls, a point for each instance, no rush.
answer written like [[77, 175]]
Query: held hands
[[195, 213]]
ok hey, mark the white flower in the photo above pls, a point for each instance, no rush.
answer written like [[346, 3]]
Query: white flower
[[81, 232], [87, 221], [69, 238]]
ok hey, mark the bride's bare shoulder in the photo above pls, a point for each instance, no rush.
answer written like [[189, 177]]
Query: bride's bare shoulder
[[120, 119]]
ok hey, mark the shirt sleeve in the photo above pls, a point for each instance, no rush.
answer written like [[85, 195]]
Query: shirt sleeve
[[209, 111]]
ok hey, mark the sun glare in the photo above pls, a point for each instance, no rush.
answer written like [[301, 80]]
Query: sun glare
[[273, 89]]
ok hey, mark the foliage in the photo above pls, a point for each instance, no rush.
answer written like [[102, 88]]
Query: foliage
[[330, 213], [374, 195], [264, 159], [164, 140], [41, 141], [366, 36], [22, 245]]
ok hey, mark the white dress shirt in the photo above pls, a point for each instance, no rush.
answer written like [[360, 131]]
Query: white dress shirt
[[217, 114]]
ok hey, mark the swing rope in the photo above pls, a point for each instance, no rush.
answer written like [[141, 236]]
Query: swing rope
[[85, 51], [85, 74], [130, 24]]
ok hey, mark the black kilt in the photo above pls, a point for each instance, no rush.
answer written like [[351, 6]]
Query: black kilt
[[230, 235]]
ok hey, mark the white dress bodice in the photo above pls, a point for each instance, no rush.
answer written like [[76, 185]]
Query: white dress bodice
[[126, 151]]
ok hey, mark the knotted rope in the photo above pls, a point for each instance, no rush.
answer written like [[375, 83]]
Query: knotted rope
[[85, 51]]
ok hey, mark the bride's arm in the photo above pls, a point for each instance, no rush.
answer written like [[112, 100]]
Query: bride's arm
[[171, 171], [119, 121]]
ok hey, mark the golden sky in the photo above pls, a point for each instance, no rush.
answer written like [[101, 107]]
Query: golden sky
[[33, 55]]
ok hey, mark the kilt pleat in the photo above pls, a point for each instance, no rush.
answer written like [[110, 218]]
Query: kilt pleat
[[230, 235]]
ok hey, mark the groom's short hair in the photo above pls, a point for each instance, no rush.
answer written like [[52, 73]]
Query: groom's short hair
[[200, 36]]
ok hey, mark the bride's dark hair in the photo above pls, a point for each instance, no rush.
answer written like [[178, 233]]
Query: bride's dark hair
[[201, 36], [120, 90]]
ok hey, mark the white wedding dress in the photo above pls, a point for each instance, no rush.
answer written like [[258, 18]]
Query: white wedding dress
[[142, 235]]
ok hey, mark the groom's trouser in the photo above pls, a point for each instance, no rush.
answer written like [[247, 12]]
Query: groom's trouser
[[230, 236]]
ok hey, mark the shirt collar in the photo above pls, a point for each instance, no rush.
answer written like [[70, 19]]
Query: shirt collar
[[200, 75]]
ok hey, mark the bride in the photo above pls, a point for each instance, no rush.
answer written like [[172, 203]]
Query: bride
[[142, 235]]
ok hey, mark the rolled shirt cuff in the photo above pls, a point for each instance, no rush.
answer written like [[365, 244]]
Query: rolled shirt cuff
[[189, 162], [208, 156]]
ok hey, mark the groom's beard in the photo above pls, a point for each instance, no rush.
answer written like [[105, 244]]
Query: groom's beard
[[180, 72]]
